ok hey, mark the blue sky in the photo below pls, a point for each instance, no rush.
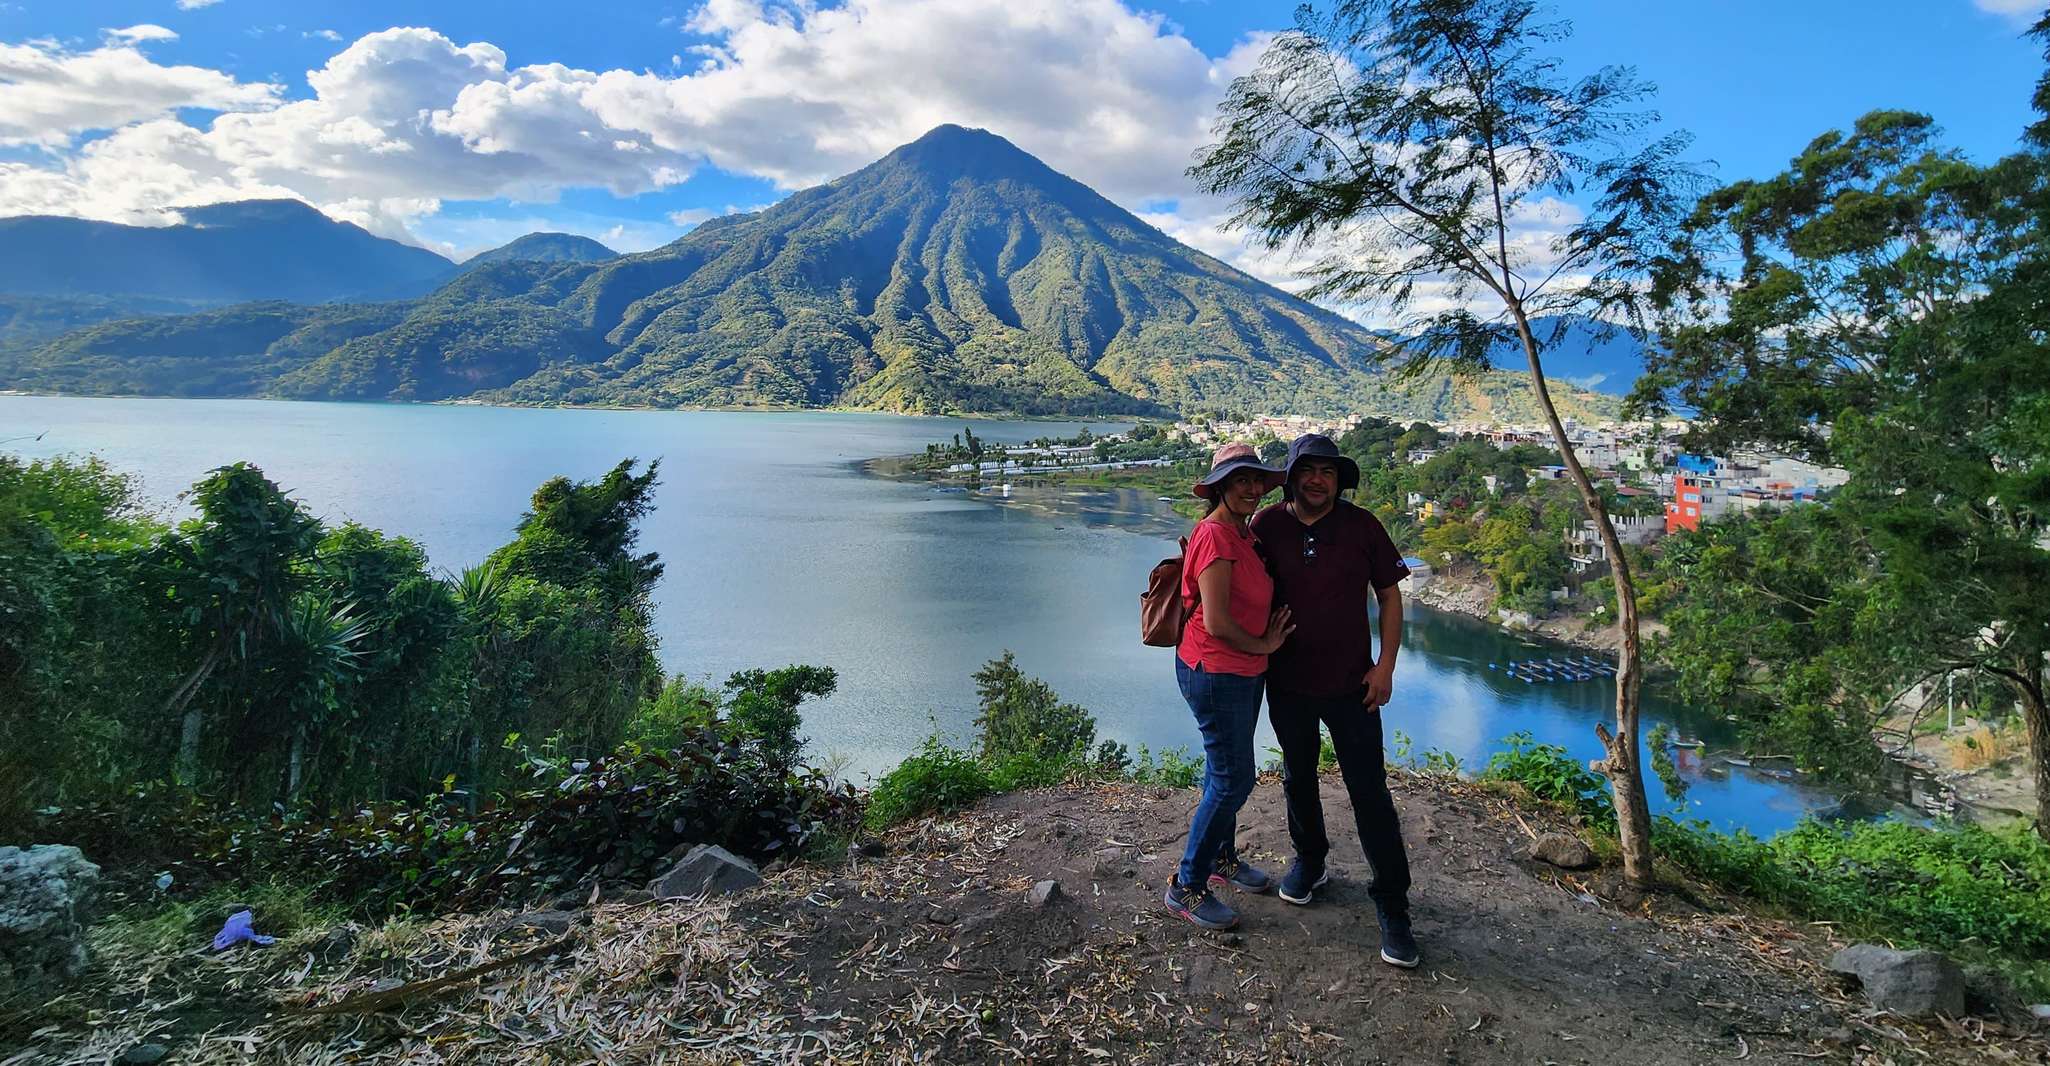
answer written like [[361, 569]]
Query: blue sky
[[460, 125]]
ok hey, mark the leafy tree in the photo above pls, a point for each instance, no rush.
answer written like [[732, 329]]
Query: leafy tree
[[762, 706], [1416, 145], [230, 577], [1023, 716], [1879, 305]]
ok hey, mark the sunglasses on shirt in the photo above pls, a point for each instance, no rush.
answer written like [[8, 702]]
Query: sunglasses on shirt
[[1309, 548]]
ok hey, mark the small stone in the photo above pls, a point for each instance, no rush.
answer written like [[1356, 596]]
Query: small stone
[[708, 870], [386, 984], [143, 1055], [1564, 850], [1045, 892], [871, 849], [554, 923], [1913, 983]]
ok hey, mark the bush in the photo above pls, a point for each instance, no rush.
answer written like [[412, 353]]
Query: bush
[[1173, 768], [1023, 715], [619, 814], [1549, 774], [762, 707], [1949, 888], [935, 779]]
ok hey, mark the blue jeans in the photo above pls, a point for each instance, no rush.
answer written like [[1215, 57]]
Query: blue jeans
[[1227, 707]]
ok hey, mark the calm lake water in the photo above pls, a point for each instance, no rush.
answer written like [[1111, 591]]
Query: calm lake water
[[780, 548]]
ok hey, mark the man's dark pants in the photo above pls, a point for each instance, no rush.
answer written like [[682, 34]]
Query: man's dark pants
[[1356, 736]]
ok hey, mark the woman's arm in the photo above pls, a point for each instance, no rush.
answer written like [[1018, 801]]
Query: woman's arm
[[1215, 585]]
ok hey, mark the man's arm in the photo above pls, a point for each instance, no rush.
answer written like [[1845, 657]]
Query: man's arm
[[1380, 678]]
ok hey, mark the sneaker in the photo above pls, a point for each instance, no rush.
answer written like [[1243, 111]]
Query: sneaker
[[1303, 880], [1199, 906], [1239, 874], [1398, 947]]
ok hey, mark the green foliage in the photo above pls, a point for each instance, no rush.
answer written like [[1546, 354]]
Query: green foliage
[[263, 657], [1661, 743], [1961, 889], [762, 707], [1549, 774], [683, 708], [1172, 768], [621, 812], [1022, 715], [935, 779]]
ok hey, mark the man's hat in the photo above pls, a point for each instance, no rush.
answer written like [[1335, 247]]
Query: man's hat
[[1318, 446]]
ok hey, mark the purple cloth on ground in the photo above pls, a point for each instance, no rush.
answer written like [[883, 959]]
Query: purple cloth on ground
[[240, 926]]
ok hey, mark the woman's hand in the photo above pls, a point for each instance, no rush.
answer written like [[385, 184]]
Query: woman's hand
[[1278, 628]]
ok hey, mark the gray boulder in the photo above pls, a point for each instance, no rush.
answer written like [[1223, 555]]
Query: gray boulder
[[1914, 983], [1564, 850], [1045, 892], [707, 870], [43, 895]]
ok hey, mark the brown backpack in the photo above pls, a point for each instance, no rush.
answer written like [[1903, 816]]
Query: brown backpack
[[1161, 614]]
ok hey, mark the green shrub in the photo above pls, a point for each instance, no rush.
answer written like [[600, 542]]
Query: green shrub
[[620, 813], [1023, 715], [1548, 773], [762, 707], [682, 709], [935, 779], [1173, 768]]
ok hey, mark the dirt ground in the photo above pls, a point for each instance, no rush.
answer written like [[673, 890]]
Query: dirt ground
[[935, 952]]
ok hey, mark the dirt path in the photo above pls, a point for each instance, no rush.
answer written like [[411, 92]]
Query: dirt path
[[934, 952]]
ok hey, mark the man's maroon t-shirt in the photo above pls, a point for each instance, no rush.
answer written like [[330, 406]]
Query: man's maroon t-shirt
[[1326, 573]]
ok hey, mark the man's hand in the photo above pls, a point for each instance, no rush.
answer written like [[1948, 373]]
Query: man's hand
[[1380, 685]]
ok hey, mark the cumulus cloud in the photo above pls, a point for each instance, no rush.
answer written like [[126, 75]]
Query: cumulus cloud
[[404, 119], [193, 5], [49, 94]]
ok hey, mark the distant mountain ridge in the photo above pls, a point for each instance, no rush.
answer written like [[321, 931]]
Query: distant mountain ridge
[[544, 248], [957, 273], [221, 254], [1575, 351]]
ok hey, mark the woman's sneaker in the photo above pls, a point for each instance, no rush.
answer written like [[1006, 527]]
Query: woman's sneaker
[[1244, 876], [1302, 881], [1199, 906]]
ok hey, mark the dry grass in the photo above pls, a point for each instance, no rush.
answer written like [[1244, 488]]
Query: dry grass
[[1984, 746]]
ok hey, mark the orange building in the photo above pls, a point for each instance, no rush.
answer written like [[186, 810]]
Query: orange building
[[1685, 510]]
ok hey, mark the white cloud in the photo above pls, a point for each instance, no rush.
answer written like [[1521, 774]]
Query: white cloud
[[325, 35], [404, 119], [49, 94], [2017, 9], [193, 5]]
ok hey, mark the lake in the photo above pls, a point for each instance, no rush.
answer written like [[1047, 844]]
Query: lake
[[780, 548]]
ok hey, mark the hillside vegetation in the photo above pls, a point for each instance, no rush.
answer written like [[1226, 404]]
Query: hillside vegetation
[[958, 273]]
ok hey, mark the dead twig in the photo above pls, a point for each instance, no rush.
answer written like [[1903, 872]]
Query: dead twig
[[391, 997]]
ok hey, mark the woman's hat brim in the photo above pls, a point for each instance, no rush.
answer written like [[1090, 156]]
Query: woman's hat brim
[[1222, 471]]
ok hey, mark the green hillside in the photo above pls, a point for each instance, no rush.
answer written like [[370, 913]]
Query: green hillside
[[958, 273]]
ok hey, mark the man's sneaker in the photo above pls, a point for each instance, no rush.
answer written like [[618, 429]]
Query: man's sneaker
[[1199, 906], [1236, 872], [1398, 947], [1303, 880]]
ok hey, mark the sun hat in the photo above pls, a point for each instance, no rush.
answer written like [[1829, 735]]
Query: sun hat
[[1318, 446], [1229, 460]]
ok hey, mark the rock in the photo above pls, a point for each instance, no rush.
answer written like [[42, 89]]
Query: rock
[[2041, 1012], [143, 1055], [1045, 892], [554, 923], [708, 870], [43, 895], [632, 897], [1914, 983], [1564, 850], [386, 984]]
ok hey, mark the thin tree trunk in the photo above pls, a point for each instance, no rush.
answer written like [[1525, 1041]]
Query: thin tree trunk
[[181, 699], [1622, 764], [298, 761], [2036, 716]]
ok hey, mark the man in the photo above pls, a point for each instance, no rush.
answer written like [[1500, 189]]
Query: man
[[1330, 560]]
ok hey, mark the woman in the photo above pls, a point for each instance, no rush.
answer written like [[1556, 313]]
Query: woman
[[1221, 664]]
